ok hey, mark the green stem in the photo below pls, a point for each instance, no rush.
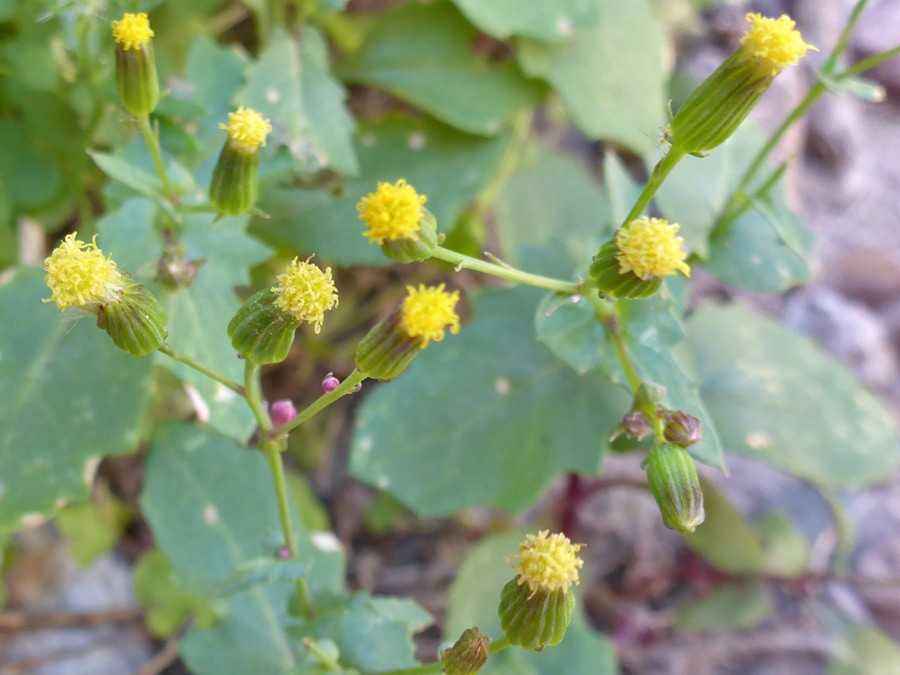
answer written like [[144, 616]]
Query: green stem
[[152, 142], [325, 400], [462, 261], [436, 667], [200, 368], [831, 61], [871, 62], [657, 176], [274, 451]]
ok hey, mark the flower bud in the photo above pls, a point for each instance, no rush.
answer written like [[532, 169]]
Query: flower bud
[[633, 425], [263, 329], [675, 486], [397, 220], [468, 655], [135, 64], [282, 412], [536, 607], [330, 383], [136, 321], [235, 183], [633, 264], [682, 429], [80, 276], [716, 108], [424, 316]]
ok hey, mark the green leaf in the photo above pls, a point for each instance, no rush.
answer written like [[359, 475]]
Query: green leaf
[[776, 397], [260, 571], [199, 315], [727, 607], [423, 54], [93, 528], [725, 539], [212, 509], [128, 234], [787, 550], [164, 598], [551, 216], [139, 180], [292, 85], [621, 189], [549, 20], [863, 650], [449, 167], [611, 76], [483, 420], [472, 601], [68, 397], [650, 331]]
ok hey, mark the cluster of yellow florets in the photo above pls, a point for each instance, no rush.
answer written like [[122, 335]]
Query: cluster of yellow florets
[[649, 247], [547, 562], [392, 212], [774, 42], [428, 311], [247, 128], [79, 275], [133, 31], [306, 292]]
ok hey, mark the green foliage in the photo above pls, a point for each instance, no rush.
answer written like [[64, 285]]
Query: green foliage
[[550, 20], [448, 166], [729, 606], [432, 66], [762, 384], [93, 528], [863, 650], [611, 81], [57, 376], [477, 421]]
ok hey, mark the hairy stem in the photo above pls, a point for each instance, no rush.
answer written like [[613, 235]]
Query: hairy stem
[[200, 368], [348, 386], [152, 141], [657, 176], [509, 273]]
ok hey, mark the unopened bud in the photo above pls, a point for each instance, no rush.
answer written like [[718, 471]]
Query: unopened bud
[[135, 64], [235, 183], [675, 486], [682, 429], [634, 425], [468, 655], [330, 383], [282, 412], [284, 553]]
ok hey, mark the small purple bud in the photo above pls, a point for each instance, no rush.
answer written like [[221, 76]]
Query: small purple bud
[[284, 552], [330, 383], [634, 424], [282, 412], [682, 429]]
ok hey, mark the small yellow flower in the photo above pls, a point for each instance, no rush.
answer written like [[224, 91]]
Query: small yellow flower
[[547, 563], [427, 311], [392, 212], [133, 31], [649, 248], [247, 128], [774, 42], [306, 292], [78, 275]]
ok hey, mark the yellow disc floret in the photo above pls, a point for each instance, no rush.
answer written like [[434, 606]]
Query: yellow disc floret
[[133, 31], [428, 311], [392, 212], [247, 128], [774, 42], [547, 562], [306, 292], [649, 248], [79, 275]]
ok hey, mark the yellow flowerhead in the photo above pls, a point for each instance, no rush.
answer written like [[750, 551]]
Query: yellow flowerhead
[[306, 292], [78, 275], [547, 563], [774, 42], [649, 248], [427, 311], [133, 31], [392, 212], [247, 128]]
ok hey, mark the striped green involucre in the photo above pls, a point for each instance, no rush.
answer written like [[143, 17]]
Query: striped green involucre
[[137, 79], [537, 621], [260, 331], [136, 322], [235, 183], [675, 486]]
